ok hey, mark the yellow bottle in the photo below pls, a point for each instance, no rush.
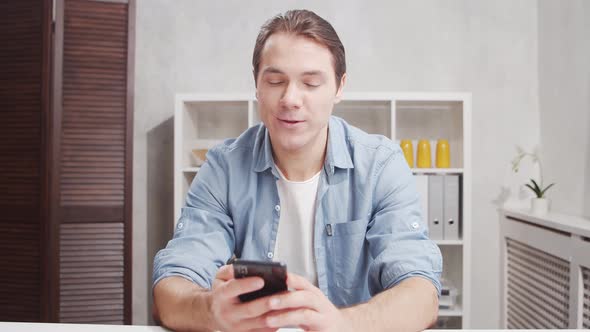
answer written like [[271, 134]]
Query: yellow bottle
[[423, 159], [443, 154], [408, 149]]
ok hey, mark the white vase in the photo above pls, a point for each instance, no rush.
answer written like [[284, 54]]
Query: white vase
[[539, 206]]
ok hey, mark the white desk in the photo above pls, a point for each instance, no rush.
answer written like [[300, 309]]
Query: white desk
[[54, 327], [50, 327], [46, 327]]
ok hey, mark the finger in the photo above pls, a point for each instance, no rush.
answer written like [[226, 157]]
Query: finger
[[225, 273], [253, 324], [298, 282], [258, 323], [253, 308], [295, 299], [265, 329], [299, 317], [235, 287]]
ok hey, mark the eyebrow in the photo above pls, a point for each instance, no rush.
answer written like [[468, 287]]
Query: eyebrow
[[273, 70], [314, 73]]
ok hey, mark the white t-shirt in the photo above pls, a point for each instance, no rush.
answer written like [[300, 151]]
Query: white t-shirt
[[294, 244]]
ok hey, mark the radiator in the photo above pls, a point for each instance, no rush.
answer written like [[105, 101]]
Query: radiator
[[545, 271], [586, 310], [538, 288]]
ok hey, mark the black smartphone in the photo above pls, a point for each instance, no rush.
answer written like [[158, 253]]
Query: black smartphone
[[273, 273]]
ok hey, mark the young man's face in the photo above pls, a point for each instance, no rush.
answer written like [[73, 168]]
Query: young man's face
[[296, 91]]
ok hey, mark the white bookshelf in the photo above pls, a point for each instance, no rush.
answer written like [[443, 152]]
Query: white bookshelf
[[204, 120], [437, 170], [455, 312]]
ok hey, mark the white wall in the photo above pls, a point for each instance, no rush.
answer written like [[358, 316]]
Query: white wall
[[564, 102], [488, 48]]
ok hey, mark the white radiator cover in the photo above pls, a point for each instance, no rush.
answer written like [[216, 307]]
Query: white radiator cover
[[538, 288], [586, 310], [545, 271]]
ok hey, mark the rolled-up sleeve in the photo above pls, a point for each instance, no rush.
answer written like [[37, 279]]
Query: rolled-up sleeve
[[397, 235], [203, 238]]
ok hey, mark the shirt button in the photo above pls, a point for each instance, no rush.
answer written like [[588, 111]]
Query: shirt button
[[269, 255], [277, 208], [415, 225], [180, 225]]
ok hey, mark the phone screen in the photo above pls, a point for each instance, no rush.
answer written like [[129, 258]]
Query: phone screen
[[273, 273]]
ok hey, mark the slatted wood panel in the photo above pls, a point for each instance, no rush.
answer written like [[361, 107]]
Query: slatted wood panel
[[586, 298], [94, 105], [538, 288], [91, 273], [21, 162], [94, 157]]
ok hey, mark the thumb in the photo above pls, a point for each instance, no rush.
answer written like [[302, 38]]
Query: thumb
[[225, 273]]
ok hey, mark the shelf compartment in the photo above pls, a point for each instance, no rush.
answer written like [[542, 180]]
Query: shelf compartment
[[374, 117], [432, 120], [188, 160], [214, 120], [448, 322], [457, 311], [453, 272]]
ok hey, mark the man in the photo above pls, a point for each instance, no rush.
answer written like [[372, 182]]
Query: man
[[339, 206]]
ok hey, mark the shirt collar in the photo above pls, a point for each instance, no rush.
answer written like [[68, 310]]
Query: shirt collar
[[337, 154]]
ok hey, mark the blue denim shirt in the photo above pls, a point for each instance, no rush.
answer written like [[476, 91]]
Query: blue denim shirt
[[368, 235]]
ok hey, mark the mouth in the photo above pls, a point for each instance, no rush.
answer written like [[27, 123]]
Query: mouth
[[289, 123]]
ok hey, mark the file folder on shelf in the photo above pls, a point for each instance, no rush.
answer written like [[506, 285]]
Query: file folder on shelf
[[435, 207], [452, 199]]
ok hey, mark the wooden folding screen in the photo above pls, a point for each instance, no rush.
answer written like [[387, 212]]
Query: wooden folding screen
[[66, 98]]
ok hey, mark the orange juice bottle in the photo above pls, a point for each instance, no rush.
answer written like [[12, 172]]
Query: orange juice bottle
[[443, 154], [423, 158], [408, 150]]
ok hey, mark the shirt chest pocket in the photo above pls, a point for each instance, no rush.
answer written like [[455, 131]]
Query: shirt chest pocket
[[348, 253]]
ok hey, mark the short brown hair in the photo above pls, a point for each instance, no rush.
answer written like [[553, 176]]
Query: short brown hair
[[307, 24]]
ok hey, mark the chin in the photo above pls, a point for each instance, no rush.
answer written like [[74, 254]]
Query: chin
[[292, 146], [292, 143]]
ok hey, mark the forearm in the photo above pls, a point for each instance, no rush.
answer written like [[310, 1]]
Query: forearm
[[412, 305], [180, 305]]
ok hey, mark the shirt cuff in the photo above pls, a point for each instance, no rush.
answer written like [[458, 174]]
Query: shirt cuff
[[180, 272], [434, 278]]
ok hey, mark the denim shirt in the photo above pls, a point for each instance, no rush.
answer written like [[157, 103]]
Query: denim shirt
[[369, 233]]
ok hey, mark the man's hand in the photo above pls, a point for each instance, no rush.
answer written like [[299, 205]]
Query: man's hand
[[227, 312], [305, 307]]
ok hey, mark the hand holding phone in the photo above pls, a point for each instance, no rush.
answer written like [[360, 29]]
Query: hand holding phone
[[273, 273]]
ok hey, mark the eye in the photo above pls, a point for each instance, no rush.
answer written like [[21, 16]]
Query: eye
[[275, 82], [310, 85]]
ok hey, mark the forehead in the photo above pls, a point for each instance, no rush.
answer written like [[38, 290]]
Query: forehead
[[291, 53]]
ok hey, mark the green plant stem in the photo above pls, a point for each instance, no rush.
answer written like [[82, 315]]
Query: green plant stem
[[538, 161]]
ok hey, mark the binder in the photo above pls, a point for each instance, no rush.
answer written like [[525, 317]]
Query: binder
[[422, 187], [451, 207], [435, 207]]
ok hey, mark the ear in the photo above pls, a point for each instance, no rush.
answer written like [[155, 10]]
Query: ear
[[255, 84], [340, 88]]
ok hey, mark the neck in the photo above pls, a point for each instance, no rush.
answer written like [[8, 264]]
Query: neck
[[304, 163]]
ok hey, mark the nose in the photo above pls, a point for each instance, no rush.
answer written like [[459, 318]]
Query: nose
[[292, 97]]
